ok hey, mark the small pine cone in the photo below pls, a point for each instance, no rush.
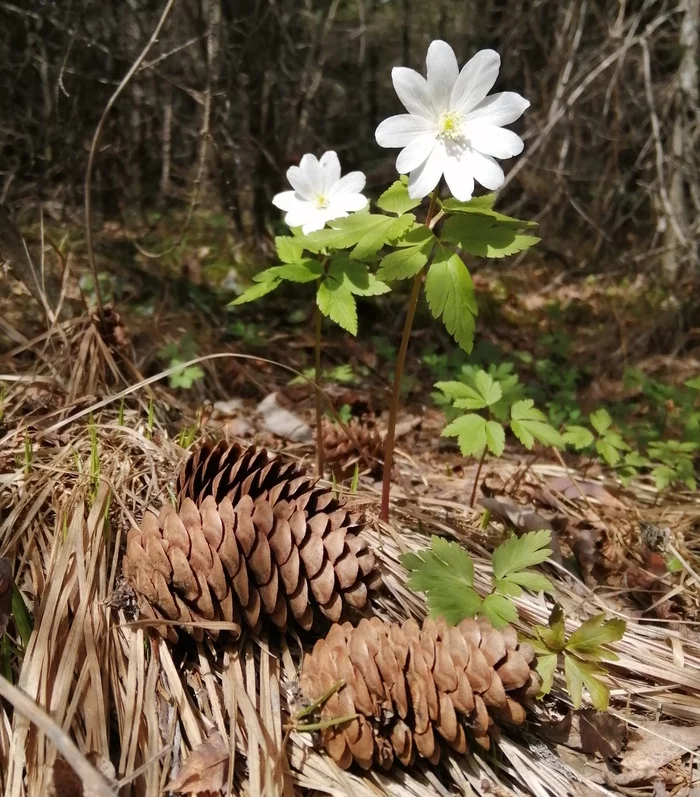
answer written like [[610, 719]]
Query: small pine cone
[[362, 448], [238, 563], [408, 683]]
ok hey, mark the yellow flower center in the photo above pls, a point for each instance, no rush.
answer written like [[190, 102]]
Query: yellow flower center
[[322, 201], [450, 125]]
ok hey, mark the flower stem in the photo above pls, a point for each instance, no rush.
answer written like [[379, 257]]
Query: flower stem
[[476, 478], [398, 374], [317, 393]]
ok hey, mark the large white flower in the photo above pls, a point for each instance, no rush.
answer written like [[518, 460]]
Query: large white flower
[[452, 127], [320, 194]]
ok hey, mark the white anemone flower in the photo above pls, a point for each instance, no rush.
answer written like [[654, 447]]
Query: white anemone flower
[[320, 194], [452, 127]]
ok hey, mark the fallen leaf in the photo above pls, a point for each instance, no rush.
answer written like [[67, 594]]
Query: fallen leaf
[[282, 422], [655, 744], [205, 769], [5, 593], [523, 520], [589, 731], [223, 410], [66, 783], [573, 489]]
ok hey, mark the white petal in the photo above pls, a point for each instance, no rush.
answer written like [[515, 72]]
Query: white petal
[[301, 181], [300, 214], [413, 92], [415, 153], [286, 200], [330, 165], [493, 140], [424, 179], [347, 203], [352, 183], [443, 71], [499, 109], [475, 80], [312, 168], [459, 178], [399, 131], [485, 170]]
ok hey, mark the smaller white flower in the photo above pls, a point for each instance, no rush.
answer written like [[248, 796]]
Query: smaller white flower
[[452, 127], [320, 194]]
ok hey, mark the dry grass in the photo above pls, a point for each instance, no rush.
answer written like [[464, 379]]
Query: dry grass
[[120, 694]]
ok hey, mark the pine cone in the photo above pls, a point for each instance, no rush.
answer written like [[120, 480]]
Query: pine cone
[[233, 563], [407, 682], [363, 447]]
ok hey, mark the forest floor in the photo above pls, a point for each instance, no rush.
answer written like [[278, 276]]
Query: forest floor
[[94, 428]]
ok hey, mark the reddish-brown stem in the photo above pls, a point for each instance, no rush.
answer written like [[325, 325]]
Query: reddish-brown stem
[[398, 374], [476, 478], [318, 394]]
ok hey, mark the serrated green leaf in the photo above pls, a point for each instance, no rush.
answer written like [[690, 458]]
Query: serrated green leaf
[[577, 674], [408, 260], [608, 452], [546, 667], [470, 431], [396, 199], [449, 291], [367, 232], [485, 236], [595, 632], [505, 587], [495, 438], [387, 229], [601, 420], [500, 610], [554, 635], [663, 476], [674, 564], [336, 302], [517, 553], [289, 250], [256, 291], [445, 573], [529, 424], [535, 582], [694, 383], [485, 392], [306, 270], [578, 436], [186, 377], [483, 205], [356, 277]]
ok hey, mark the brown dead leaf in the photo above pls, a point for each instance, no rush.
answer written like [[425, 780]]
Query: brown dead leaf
[[205, 769], [66, 783], [282, 422], [591, 732], [655, 744], [5, 594], [522, 519], [569, 488]]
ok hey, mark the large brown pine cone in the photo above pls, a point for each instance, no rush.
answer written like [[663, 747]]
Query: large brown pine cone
[[408, 684], [362, 448], [224, 562], [229, 470]]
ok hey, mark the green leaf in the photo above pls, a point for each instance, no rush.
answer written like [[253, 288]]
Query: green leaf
[[484, 392], [674, 565], [535, 582], [578, 436], [367, 232], [485, 236], [186, 377], [500, 610], [578, 674], [470, 431], [386, 229], [257, 291], [289, 250], [335, 301], [396, 199], [445, 572], [495, 438], [355, 277], [306, 270], [450, 295], [596, 632], [529, 424], [663, 476], [483, 205], [554, 635], [407, 261], [23, 620], [517, 553], [608, 452], [694, 383], [546, 667], [509, 588], [601, 420]]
